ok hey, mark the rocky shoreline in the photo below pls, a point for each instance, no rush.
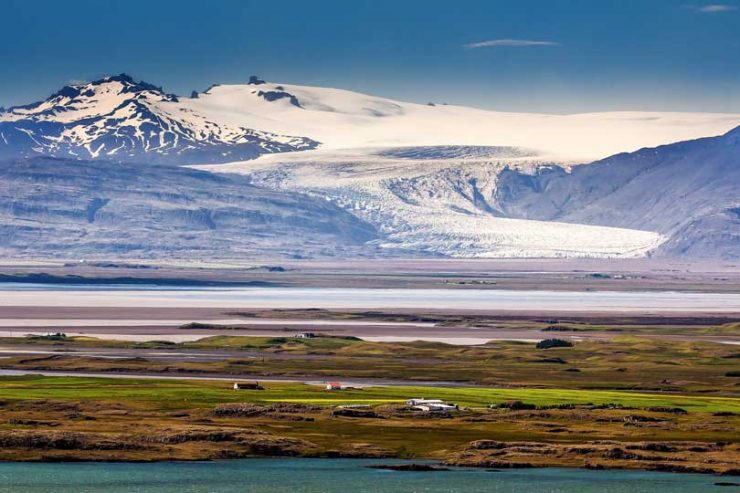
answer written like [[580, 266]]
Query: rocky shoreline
[[196, 443], [683, 457]]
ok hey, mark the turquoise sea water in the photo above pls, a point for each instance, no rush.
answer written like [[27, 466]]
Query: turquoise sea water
[[330, 476]]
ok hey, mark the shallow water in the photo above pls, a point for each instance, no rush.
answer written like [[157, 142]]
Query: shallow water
[[362, 298], [328, 476]]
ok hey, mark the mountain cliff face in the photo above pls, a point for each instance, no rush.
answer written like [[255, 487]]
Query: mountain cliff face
[[87, 209], [119, 119], [688, 191]]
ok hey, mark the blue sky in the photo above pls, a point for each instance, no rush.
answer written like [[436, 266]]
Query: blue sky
[[557, 56]]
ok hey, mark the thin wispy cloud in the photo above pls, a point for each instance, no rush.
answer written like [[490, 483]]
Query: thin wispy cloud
[[713, 8], [515, 43]]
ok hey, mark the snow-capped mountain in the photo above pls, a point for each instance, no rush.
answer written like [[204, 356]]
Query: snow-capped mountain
[[119, 119], [427, 179]]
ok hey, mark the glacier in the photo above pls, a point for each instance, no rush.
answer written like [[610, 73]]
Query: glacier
[[430, 179], [437, 206]]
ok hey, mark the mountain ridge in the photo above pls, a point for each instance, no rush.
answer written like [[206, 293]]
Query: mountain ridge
[[685, 190], [119, 119], [77, 209]]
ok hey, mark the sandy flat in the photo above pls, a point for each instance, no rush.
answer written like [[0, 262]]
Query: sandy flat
[[360, 298]]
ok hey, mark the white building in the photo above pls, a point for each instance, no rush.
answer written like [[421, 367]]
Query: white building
[[422, 401], [431, 405]]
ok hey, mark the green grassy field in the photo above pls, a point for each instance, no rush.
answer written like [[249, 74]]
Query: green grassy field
[[624, 363], [176, 394]]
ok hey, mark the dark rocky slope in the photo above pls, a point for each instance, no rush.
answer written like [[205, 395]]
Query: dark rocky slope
[[83, 209]]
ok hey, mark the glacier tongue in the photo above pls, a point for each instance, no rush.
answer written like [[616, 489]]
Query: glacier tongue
[[438, 205]]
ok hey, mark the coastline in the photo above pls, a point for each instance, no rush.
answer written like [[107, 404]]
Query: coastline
[[620, 460]]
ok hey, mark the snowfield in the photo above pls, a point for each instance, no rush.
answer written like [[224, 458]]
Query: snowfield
[[341, 119]]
